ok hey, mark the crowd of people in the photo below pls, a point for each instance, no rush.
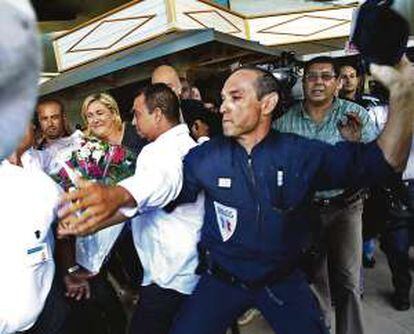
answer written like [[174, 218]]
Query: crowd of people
[[204, 214]]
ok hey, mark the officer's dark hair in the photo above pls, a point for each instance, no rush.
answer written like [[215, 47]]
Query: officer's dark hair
[[265, 82], [322, 60], [161, 96]]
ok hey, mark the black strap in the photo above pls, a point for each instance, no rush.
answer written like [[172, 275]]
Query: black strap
[[208, 266]]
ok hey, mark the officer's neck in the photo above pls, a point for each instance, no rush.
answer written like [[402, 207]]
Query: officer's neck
[[249, 140]]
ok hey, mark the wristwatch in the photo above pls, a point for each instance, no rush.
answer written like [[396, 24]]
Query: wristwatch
[[73, 269]]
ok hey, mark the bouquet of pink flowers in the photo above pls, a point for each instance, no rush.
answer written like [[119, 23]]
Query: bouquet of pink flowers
[[99, 161]]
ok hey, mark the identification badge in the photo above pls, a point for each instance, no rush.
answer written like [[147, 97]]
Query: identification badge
[[38, 254], [224, 182], [226, 220]]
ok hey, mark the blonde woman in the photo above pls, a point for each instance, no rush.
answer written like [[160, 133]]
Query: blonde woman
[[101, 115]]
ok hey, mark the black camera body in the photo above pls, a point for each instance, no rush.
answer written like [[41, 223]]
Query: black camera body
[[381, 34]]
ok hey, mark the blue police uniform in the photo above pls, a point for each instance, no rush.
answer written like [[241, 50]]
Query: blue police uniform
[[257, 223]]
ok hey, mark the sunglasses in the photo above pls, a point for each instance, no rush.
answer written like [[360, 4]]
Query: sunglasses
[[314, 76]]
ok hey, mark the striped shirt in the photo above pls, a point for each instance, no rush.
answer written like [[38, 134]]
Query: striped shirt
[[298, 121]]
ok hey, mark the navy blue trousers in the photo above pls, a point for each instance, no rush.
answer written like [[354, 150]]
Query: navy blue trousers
[[289, 307], [156, 310]]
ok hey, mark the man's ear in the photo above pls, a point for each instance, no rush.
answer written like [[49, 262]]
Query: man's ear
[[196, 124], [158, 114], [268, 103]]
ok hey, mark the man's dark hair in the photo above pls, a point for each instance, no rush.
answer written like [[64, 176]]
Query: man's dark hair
[[212, 120], [356, 65], [46, 100], [161, 96], [322, 60], [358, 68], [265, 83]]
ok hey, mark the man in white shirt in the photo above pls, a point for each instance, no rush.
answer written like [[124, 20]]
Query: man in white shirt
[[28, 198], [31, 301], [166, 242], [57, 143]]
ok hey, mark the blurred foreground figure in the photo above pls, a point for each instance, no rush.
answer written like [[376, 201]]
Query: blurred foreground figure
[[29, 299], [20, 66]]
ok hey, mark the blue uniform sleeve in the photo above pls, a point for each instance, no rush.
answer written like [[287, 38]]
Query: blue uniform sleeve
[[191, 185], [352, 165]]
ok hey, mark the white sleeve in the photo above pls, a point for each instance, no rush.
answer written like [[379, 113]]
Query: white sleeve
[[157, 181]]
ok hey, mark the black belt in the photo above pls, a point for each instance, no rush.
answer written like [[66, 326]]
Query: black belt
[[207, 266], [341, 200]]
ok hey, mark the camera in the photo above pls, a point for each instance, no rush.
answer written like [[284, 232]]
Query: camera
[[381, 33]]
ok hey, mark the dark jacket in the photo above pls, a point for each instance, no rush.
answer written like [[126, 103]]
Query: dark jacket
[[257, 206]]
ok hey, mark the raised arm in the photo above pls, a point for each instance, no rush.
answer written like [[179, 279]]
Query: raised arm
[[395, 140]]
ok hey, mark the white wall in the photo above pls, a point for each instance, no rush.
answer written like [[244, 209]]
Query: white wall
[[256, 7]]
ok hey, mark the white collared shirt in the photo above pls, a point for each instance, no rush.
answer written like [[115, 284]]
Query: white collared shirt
[[28, 201], [202, 140], [166, 242], [33, 160]]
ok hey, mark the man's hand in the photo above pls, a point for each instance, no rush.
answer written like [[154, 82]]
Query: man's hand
[[351, 129], [77, 285], [399, 79], [89, 208]]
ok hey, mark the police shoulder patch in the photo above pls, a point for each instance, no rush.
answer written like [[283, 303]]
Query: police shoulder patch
[[226, 220]]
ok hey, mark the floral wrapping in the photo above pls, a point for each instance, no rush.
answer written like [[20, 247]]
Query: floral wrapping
[[104, 163], [99, 161]]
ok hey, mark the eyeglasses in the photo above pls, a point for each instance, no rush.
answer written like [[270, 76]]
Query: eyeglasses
[[314, 76]]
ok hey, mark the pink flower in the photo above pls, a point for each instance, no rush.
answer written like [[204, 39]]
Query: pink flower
[[94, 171], [63, 174], [118, 155], [83, 165]]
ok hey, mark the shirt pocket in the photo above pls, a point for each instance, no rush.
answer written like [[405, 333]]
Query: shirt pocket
[[288, 191]]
